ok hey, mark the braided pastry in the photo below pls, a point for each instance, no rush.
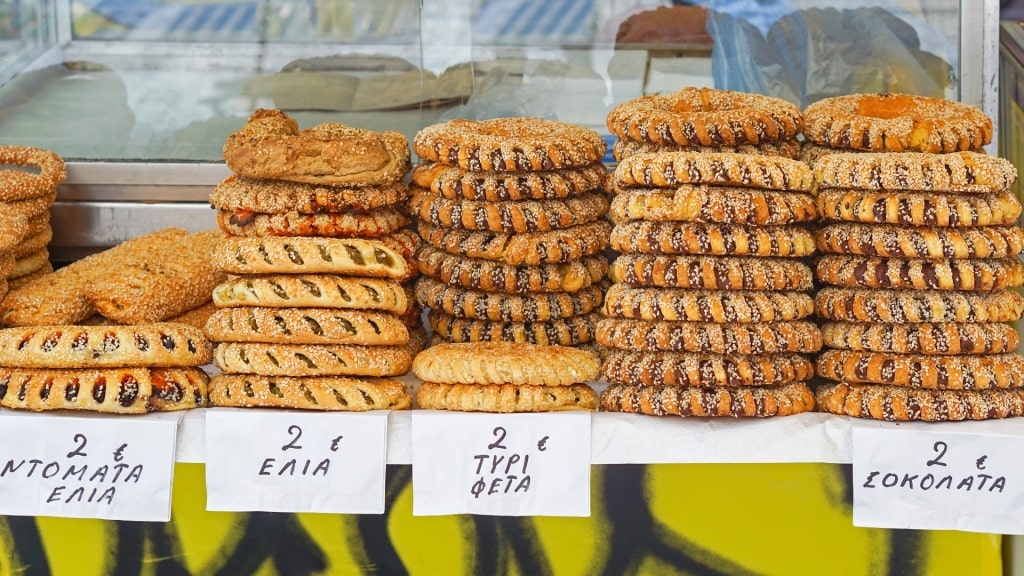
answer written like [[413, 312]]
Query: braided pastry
[[920, 242], [957, 172], [952, 372], [722, 204], [721, 306], [711, 239], [919, 209], [704, 337], [557, 331], [519, 216], [489, 276], [539, 307], [712, 272], [868, 305], [690, 369], [457, 184], [782, 400], [921, 338], [672, 169], [920, 274], [530, 249], [898, 403], [623, 149]]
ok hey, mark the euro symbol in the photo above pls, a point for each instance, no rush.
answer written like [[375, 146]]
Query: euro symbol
[[542, 445], [334, 443], [119, 453], [981, 462]]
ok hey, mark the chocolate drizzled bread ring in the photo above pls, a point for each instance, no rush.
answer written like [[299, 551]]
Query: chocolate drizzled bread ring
[[623, 149], [897, 403], [712, 272], [709, 337], [306, 326], [531, 249], [509, 144], [782, 400], [347, 224], [954, 372], [869, 305], [29, 263], [309, 392], [489, 276], [280, 196], [519, 216], [704, 370], [710, 204], [968, 274], [897, 123], [921, 242], [674, 169], [539, 307], [505, 397], [311, 359], [622, 301], [457, 184], [557, 331], [966, 172], [313, 291], [705, 117], [711, 239], [919, 208], [922, 337]]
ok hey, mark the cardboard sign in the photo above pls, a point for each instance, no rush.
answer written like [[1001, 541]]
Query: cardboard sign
[[501, 464], [292, 461], [87, 466], [938, 479]]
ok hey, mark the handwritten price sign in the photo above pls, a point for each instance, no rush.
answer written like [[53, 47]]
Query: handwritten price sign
[[932, 479], [278, 461], [117, 468], [501, 464]]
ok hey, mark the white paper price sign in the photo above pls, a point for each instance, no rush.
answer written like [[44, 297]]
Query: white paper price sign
[[942, 480], [290, 461], [501, 464], [88, 466]]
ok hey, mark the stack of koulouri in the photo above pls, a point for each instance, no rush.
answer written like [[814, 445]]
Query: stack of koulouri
[[313, 316], [705, 120], [28, 187], [920, 250], [511, 213], [116, 369], [708, 313]]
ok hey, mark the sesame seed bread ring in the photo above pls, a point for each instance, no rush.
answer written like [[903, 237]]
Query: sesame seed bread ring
[[509, 144], [870, 305], [309, 392], [919, 208], [967, 274], [159, 344], [31, 207], [270, 146], [705, 117], [110, 390], [29, 263], [954, 372], [921, 242], [642, 237], [7, 261], [623, 149], [17, 185], [306, 326], [32, 243], [13, 230], [281, 254], [348, 224], [457, 184], [530, 249], [622, 301], [689, 369], [896, 123], [490, 276], [280, 196], [505, 398], [714, 205], [922, 338], [558, 331], [538, 307], [673, 169], [712, 272], [313, 291], [519, 216], [966, 172], [311, 359], [516, 363], [898, 403], [782, 400], [709, 337], [16, 283]]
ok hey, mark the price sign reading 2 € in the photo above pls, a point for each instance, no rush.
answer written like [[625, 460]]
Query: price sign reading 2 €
[[919, 478], [507, 464], [279, 461]]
